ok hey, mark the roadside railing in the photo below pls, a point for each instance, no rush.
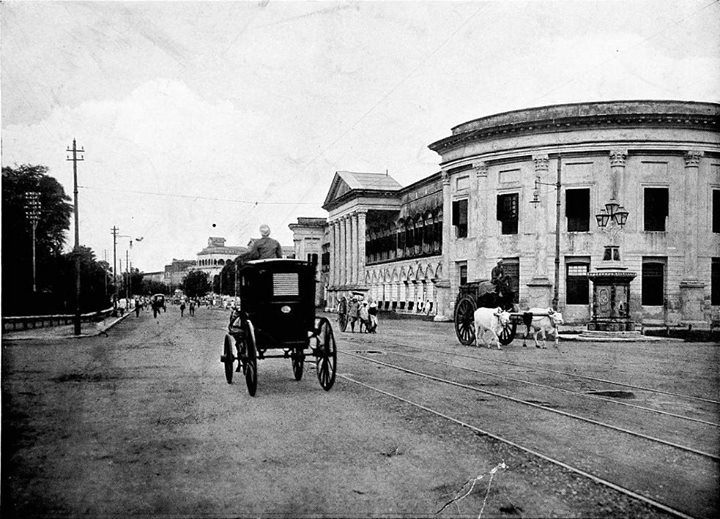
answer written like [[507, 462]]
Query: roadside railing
[[28, 322]]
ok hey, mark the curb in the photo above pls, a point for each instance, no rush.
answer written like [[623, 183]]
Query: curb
[[99, 331]]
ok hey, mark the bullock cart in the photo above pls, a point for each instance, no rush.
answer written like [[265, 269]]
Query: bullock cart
[[483, 293], [276, 319]]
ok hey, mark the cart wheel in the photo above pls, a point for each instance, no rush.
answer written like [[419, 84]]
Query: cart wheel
[[298, 359], [250, 367], [343, 321], [464, 320], [507, 334], [228, 358], [326, 353]]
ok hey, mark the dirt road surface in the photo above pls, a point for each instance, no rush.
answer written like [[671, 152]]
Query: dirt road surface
[[143, 423]]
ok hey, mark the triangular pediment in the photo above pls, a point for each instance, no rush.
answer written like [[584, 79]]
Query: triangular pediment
[[345, 181], [338, 188]]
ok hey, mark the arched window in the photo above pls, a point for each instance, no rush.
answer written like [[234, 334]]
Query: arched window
[[438, 231], [418, 233], [428, 233], [410, 237], [221, 262], [402, 238]]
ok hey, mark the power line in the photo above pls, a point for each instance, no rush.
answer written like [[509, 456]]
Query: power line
[[193, 197]]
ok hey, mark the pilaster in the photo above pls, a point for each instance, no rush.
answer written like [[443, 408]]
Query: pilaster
[[692, 290], [362, 230]]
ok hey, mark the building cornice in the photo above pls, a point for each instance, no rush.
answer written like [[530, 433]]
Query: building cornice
[[572, 117]]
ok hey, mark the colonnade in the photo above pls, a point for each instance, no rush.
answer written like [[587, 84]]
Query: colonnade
[[347, 250]]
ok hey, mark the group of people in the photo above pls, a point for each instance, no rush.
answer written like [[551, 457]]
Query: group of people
[[362, 312], [191, 304]]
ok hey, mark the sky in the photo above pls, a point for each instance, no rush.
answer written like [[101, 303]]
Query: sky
[[203, 119]]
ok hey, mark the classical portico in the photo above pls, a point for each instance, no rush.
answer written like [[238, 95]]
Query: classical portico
[[351, 199]]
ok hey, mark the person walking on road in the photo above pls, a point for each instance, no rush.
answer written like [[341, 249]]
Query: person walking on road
[[182, 308], [353, 313], [137, 307], [192, 308]]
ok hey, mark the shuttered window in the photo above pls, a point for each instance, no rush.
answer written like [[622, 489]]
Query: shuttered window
[[653, 284], [285, 284], [577, 210], [656, 208], [507, 213], [715, 282], [460, 217], [577, 285]]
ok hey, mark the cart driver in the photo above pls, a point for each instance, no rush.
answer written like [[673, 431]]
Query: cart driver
[[498, 273], [264, 248]]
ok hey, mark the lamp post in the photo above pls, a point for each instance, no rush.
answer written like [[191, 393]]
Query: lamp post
[[611, 280], [540, 166], [32, 212]]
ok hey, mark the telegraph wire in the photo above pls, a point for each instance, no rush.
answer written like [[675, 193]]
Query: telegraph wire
[[193, 197]]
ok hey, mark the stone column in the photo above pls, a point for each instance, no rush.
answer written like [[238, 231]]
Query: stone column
[[443, 285], [333, 253], [352, 238], [540, 286], [361, 254], [692, 290], [344, 250]]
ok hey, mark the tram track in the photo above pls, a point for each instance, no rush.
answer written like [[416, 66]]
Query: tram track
[[599, 480], [540, 406], [659, 457], [570, 391]]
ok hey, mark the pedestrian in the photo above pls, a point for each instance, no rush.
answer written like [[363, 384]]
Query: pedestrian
[[372, 315], [353, 313], [192, 307], [364, 317], [137, 307], [182, 308]]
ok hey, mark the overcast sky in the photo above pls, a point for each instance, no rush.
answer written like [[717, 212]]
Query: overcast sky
[[204, 119]]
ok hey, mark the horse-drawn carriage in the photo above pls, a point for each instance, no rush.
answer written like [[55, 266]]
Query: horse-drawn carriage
[[277, 312], [476, 294]]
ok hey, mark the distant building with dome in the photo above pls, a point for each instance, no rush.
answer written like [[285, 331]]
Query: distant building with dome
[[215, 256]]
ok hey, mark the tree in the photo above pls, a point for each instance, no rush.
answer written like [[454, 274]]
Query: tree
[[55, 271], [150, 287], [195, 284], [17, 244]]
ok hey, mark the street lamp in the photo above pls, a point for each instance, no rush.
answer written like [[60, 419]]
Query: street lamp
[[32, 212], [614, 215]]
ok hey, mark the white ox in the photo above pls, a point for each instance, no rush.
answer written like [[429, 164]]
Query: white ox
[[492, 320], [544, 320]]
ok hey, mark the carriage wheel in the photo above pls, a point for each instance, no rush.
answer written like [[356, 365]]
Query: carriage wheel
[[326, 353], [343, 321], [464, 322], [250, 367], [228, 358], [298, 359], [507, 334]]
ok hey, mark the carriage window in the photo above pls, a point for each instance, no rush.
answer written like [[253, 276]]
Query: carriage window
[[577, 284], [656, 208], [507, 213], [653, 284], [460, 217], [715, 282], [285, 284], [577, 210]]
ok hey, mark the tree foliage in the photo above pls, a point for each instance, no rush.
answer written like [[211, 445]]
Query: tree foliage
[[55, 271], [196, 284]]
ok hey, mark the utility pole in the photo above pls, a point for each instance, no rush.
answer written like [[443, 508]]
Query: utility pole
[[32, 212], [115, 298], [558, 187], [127, 282], [75, 159]]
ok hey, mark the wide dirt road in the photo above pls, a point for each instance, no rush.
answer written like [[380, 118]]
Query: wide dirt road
[[143, 423]]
